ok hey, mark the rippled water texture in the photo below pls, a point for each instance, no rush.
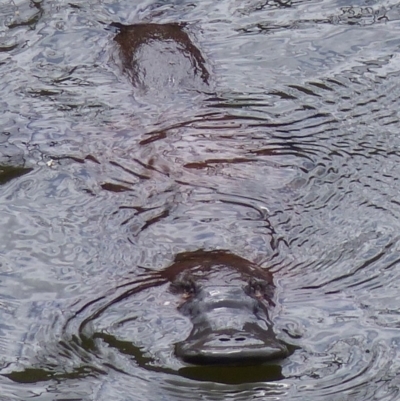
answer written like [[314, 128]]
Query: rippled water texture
[[274, 135]]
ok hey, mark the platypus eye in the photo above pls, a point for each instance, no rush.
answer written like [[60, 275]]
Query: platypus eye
[[259, 289], [186, 287]]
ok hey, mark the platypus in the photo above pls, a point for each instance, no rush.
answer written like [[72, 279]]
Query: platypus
[[227, 298]]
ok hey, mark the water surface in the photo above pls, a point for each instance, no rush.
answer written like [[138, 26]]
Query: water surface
[[287, 156]]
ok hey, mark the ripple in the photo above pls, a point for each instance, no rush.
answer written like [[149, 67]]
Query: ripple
[[349, 369], [289, 159]]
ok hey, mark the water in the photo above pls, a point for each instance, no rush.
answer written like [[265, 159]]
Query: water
[[287, 156]]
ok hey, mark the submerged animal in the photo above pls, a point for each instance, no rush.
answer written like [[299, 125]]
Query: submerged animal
[[227, 298]]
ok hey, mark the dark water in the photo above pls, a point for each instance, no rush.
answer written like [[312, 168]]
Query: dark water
[[288, 157]]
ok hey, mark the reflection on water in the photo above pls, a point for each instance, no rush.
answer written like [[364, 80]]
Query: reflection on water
[[7, 173], [133, 133]]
